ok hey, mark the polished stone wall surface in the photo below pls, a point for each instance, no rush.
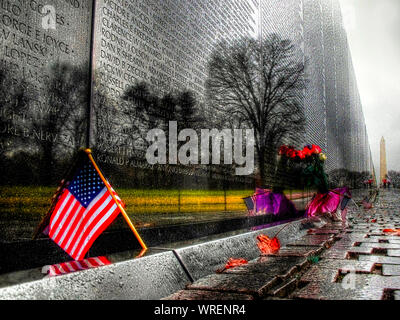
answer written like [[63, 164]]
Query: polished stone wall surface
[[44, 66], [164, 46], [150, 65], [315, 96], [286, 18]]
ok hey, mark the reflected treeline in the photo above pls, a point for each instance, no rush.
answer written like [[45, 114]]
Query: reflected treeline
[[394, 177], [156, 112], [249, 85], [121, 127], [41, 128], [345, 178]]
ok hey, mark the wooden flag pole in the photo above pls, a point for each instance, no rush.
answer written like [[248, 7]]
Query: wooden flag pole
[[141, 254], [131, 226]]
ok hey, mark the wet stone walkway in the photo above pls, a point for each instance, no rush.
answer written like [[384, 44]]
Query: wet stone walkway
[[349, 260]]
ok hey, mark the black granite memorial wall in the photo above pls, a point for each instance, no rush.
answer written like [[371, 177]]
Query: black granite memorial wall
[[44, 81], [145, 65]]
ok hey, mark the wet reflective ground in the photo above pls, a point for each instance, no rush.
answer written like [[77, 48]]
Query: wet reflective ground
[[355, 260], [278, 274]]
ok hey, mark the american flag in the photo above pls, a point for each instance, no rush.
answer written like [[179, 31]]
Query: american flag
[[73, 266], [83, 211]]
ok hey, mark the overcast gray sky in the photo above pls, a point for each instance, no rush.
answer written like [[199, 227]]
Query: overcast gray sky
[[373, 29]]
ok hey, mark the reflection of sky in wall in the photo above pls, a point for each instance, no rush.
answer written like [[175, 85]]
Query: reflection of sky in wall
[[373, 32]]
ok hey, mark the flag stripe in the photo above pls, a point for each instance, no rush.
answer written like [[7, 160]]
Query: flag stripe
[[103, 260], [93, 262], [84, 264], [103, 223], [73, 206], [73, 266], [79, 225], [66, 199], [97, 216], [69, 229], [97, 210], [58, 205], [72, 234], [103, 227], [79, 265], [54, 270], [62, 268]]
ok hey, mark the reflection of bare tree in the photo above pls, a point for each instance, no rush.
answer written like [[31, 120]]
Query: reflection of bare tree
[[146, 110], [14, 100], [43, 127], [259, 87], [343, 177], [143, 110], [66, 95]]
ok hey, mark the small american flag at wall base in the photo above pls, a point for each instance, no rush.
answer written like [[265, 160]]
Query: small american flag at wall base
[[83, 211], [73, 266]]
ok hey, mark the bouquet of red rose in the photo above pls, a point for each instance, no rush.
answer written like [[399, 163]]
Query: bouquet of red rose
[[313, 160], [325, 201]]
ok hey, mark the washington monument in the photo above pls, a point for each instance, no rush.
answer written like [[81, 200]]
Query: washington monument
[[383, 167]]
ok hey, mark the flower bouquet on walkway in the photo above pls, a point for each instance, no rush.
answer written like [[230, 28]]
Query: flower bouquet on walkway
[[274, 201], [325, 201], [265, 201]]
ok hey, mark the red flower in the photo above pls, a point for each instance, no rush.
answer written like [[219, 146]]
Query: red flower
[[316, 149], [301, 154], [291, 153], [307, 151], [283, 149]]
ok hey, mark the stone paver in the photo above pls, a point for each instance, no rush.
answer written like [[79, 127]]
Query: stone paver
[[390, 270], [257, 277], [356, 287], [347, 265], [257, 284], [352, 260], [279, 266], [297, 252], [312, 240], [393, 253], [206, 295], [380, 259]]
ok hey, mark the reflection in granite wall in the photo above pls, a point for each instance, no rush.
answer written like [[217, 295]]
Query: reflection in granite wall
[[151, 63], [150, 68], [44, 77], [333, 107], [44, 65]]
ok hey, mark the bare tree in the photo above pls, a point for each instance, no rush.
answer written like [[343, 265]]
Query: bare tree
[[147, 110], [66, 96], [259, 86]]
